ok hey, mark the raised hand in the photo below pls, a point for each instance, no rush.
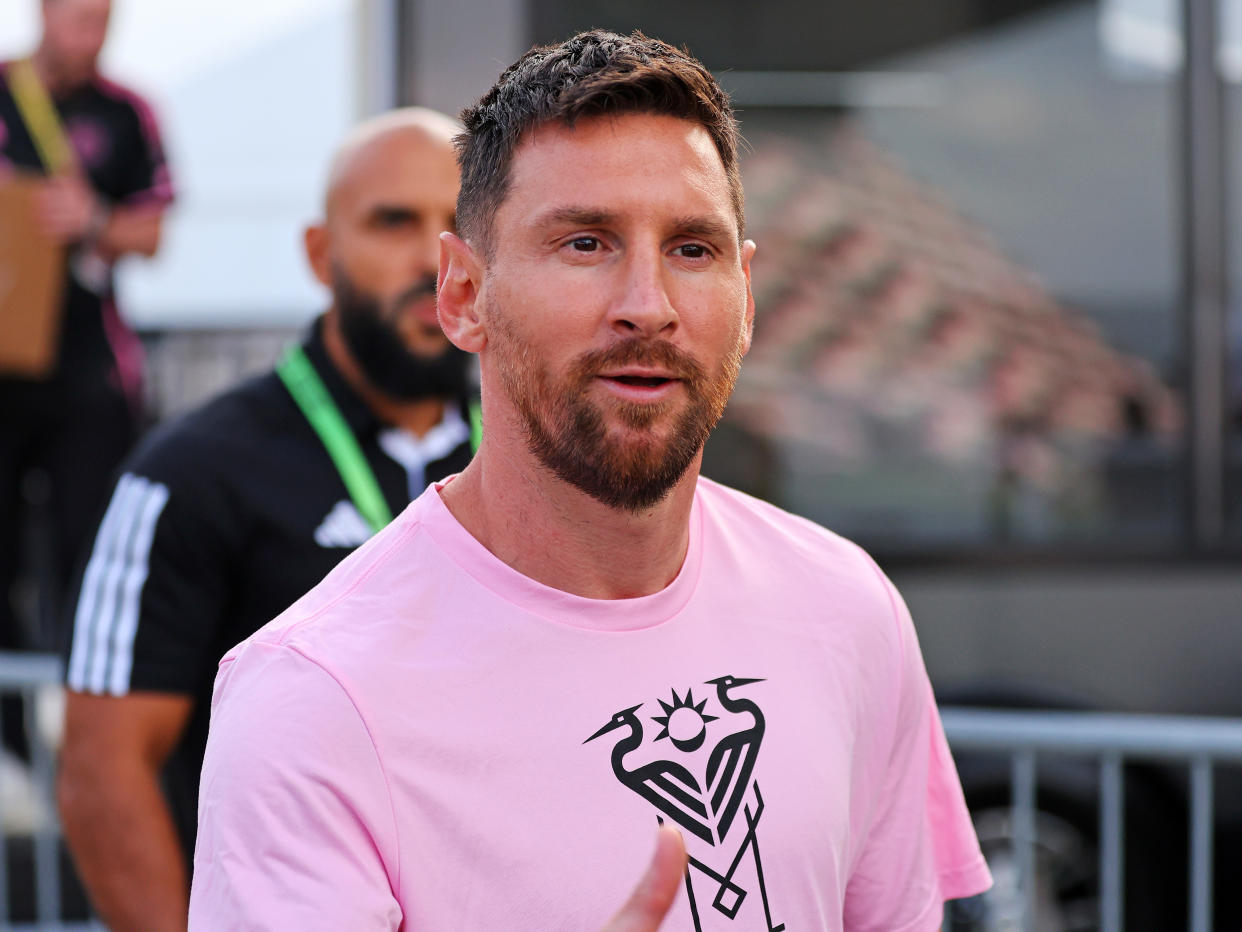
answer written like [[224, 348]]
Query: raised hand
[[651, 899]]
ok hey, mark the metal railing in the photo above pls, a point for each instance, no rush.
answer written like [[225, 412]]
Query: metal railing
[[26, 675], [1112, 739]]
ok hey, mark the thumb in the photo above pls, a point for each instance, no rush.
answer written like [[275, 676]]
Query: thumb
[[655, 892]]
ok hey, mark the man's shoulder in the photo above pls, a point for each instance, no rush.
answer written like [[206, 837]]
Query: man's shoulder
[[768, 528], [802, 563], [368, 602], [210, 438], [115, 94], [805, 572], [127, 115]]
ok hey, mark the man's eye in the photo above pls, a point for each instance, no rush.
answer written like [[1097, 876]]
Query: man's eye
[[585, 244], [693, 250], [391, 219]]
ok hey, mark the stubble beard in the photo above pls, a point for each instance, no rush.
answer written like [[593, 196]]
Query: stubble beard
[[630, 469]]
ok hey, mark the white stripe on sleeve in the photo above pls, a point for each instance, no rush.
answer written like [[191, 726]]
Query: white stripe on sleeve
[[88, 599], [114, 571], [131, 590], [113, 581]]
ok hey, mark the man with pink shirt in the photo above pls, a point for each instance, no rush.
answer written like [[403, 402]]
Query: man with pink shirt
[[476, 720]]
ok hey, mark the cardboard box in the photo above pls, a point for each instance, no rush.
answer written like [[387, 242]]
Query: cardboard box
[[32, 281]]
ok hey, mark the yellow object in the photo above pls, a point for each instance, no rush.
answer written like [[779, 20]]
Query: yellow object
[[41, 119]]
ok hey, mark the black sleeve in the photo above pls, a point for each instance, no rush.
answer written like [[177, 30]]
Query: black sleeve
[[143, 176], [150, 602]]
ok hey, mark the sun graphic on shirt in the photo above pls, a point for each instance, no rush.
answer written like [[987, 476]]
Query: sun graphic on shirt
[[684, 723]]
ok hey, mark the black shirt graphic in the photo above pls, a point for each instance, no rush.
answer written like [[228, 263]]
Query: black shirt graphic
[[220, 521], [707, 808]]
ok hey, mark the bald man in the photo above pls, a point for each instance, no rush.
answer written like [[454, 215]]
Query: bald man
[[223, 518]]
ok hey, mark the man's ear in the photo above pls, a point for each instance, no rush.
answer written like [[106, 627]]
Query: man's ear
[[315, 242], [457, 294], [748, 253]]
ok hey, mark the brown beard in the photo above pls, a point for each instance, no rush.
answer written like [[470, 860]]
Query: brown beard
[[568, 434]]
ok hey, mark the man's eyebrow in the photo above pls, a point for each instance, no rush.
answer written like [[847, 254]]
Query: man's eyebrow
[[574, 215], [709, 227]]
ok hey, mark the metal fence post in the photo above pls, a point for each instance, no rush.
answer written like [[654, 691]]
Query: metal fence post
[[1024, 831], [47, 833], [1112, 843], [1201, 845], [1202, 140]]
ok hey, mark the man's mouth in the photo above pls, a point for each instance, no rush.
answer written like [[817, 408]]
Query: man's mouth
[[642, 373], [642, 381], [638, 385], [418, 301]]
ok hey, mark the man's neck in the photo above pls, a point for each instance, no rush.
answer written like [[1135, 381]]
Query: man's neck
[[557, 535], [54, 77], [417, 417]]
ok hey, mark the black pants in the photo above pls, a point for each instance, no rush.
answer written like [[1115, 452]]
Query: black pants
[[60, 444]]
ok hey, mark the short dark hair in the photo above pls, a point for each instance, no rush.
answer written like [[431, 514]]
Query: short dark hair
[[595, 73]]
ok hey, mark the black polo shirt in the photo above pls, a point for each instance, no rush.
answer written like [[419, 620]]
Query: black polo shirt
[[114, 134], [219, 521]]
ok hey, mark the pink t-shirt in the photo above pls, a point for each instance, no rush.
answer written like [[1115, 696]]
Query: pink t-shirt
[[429, 740]]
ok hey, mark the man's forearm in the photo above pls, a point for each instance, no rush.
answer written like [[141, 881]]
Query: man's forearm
[[130, 230], [123, 840]]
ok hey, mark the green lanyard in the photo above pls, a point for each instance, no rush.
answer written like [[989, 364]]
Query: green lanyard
[[308, 391]]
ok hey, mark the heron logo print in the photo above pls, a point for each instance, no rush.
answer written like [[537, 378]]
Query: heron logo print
[[702, 782]]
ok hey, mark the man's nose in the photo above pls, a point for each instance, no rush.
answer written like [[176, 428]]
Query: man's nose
[[427, 251], [644, 308]]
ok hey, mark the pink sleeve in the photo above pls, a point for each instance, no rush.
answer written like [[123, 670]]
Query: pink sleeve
[[920, 847], [295, 822]]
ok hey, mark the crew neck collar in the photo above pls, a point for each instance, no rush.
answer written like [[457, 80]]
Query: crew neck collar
[[551, 604]]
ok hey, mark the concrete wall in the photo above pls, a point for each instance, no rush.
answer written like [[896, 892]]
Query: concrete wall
[[1146, 638]]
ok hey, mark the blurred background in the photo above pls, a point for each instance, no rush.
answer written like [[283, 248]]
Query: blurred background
[[998, 339]]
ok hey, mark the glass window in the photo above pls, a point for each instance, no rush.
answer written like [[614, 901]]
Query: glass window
[[967, 272]]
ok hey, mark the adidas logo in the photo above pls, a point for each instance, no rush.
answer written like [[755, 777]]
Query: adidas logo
[[343, 527]]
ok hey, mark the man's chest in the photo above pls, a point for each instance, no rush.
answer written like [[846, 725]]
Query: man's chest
[[293, 521], [100, 135], [290, 544], [537, 789]]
